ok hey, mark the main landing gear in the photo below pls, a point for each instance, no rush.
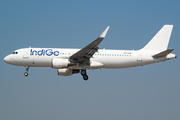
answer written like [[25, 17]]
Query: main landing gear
[[83, 73], [26, 73]]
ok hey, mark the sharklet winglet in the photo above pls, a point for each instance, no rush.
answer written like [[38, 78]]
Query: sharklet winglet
[[104, 32]]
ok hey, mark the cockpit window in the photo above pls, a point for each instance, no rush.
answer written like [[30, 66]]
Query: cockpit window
[[15, 53]]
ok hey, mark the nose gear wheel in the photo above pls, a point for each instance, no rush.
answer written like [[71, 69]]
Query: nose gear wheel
[[26, 73]]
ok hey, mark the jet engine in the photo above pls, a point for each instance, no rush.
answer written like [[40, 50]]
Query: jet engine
[[67, 72], [59, 63]]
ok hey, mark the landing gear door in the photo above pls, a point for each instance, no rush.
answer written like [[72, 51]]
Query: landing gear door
[[26, 53], [139, 56]]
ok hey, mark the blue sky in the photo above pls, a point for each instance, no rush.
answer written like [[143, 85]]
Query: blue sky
[[148, 92]]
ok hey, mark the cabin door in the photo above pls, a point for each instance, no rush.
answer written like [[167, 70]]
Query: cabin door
[[139, 56], [26, 53]]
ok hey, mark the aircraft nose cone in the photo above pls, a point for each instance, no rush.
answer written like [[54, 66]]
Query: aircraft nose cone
[[9, 59], [6, 59]]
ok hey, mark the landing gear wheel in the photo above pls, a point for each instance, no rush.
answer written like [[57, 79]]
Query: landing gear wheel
[[83, 72], [26, 74], [85, 77]]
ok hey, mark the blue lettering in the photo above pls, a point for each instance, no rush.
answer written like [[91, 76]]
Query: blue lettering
[[43, 52], [49, 52], [56, 53], [32, 52], [40, 52]]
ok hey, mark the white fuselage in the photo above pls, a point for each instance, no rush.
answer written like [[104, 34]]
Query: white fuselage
[[72, 61], [42, 57]]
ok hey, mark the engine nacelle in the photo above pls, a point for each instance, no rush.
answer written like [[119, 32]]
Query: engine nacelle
[[59, 63], [66, 72]]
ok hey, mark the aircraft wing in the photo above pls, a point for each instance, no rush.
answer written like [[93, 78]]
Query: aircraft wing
[[87, 52]]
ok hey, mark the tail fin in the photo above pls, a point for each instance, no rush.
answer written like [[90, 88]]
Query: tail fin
[[161, 40]]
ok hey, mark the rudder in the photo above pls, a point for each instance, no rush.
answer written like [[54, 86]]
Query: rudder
[[161, 40]]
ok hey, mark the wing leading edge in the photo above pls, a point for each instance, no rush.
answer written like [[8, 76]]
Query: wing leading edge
[[83, 55]]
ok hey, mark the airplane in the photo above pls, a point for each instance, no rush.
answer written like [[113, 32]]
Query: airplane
[[72, 61]]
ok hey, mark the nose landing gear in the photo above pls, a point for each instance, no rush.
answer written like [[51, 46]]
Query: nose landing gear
[[26, 73], [83, 73]]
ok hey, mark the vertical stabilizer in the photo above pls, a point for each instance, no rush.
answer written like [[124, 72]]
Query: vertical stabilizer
[[161, 40]]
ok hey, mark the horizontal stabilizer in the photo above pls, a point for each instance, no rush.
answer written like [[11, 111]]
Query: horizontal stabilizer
[[162, 54]]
